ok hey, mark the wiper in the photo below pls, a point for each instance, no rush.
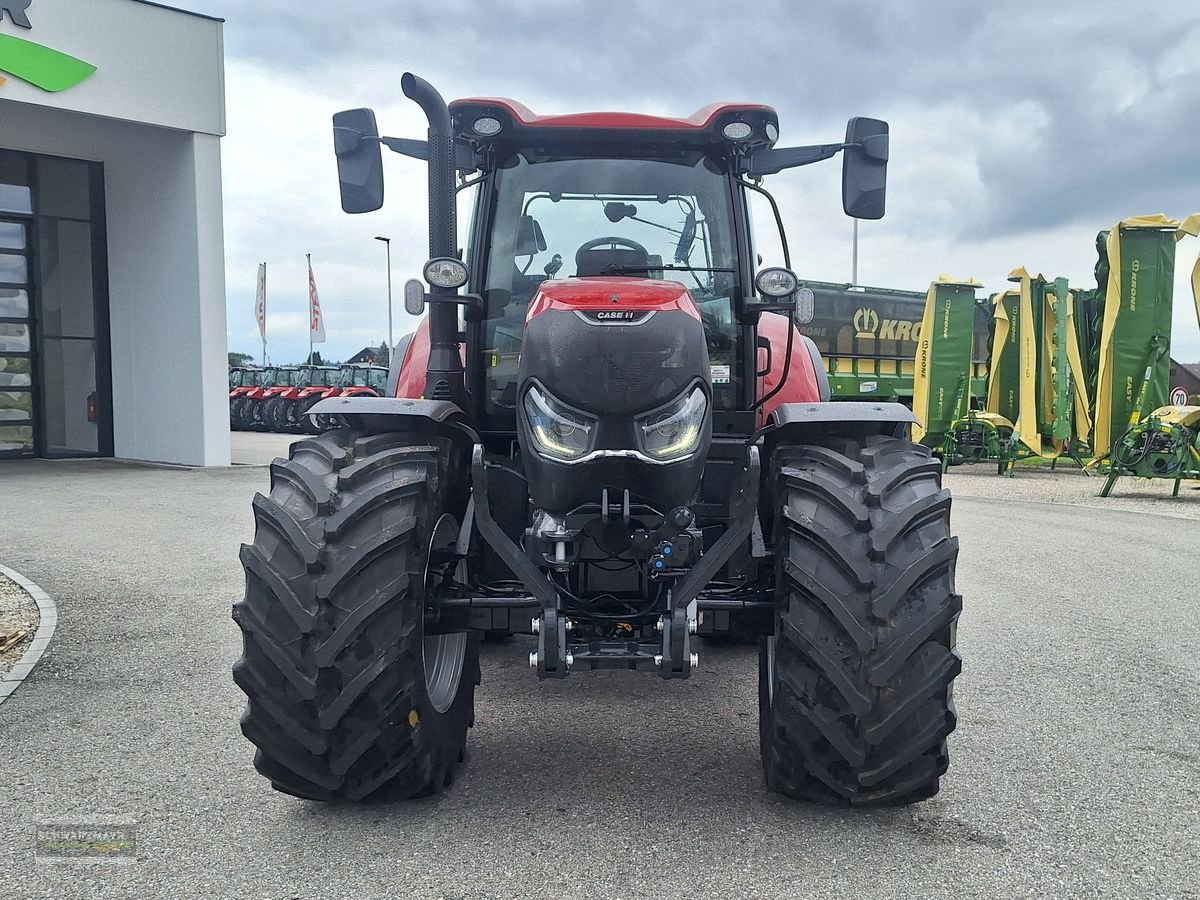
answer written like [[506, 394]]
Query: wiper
[[623, 270]]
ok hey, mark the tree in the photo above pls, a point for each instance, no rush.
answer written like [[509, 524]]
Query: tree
[[385, 357], [315, 359], [240, 359]]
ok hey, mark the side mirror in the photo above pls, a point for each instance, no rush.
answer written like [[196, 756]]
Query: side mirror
[[864, 168], [530, 240], [360, 160]]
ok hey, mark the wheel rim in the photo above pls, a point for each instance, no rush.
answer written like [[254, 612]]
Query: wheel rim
[[443, 654]]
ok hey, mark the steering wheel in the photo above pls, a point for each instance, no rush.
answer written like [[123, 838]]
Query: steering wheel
[[615, 242]]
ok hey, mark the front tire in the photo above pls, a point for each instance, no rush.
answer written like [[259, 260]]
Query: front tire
[[855, 687], [347, 696]]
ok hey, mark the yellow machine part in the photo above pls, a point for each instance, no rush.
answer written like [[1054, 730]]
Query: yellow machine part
[[994, 419], [999, 343], [1027, 416], [1196, 287], [1187, 416], [1112, 304]]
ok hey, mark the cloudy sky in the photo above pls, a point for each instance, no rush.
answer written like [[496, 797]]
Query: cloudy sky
[[1019, 129]]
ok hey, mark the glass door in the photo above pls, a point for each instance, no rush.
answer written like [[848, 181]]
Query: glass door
[[17, 427]]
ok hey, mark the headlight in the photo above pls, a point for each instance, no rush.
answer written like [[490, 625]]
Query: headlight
[[559, 433], [776, 282], [486, 126], [737, 131], [445, 272], [674, 431]]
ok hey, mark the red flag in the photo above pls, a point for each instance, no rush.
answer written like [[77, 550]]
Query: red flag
[[316, 321]]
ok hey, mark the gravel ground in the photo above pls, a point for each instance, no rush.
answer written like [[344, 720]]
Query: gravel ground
[[1075, 767], [1069, 485], [18, 612]]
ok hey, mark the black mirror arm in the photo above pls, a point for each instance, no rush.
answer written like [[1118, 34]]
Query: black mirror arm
[[776, 159], [465, 160], [473, 306]]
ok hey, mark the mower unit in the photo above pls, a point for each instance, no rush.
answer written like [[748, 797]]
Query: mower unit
[[615, 440]]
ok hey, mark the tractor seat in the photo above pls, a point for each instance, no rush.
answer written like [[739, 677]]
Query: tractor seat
[[597, 260]]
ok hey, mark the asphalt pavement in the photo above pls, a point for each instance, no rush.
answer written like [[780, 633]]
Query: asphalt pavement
[[1075, 768]]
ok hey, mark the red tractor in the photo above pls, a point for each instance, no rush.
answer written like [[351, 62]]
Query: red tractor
[[619, 444], [275, 381], [242, 380], [352, 381], [244, 400], [285, 411]]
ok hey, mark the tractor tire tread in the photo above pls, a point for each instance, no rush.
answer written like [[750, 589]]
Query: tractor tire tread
[[332, 661], [857, 694]]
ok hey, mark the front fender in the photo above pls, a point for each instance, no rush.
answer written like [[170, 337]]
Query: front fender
[[796, 423], [379, 415]]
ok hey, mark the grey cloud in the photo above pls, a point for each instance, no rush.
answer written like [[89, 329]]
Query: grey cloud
[[1082, 154], [1010, 119]]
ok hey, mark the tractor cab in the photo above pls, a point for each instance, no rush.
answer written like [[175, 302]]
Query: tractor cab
[[625, 204], [353, 375]]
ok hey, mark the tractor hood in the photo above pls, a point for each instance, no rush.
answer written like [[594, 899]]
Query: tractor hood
[[614, 346], [607, 361]]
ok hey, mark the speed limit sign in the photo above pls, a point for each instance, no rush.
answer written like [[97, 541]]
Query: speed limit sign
[[1179, 397]]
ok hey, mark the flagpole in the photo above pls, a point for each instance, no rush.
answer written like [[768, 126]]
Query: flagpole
[[264, 323], [308, 256]]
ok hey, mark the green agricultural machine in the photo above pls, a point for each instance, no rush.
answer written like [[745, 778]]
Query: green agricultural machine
[[944, 382], [1037, 402], [1137, 432]]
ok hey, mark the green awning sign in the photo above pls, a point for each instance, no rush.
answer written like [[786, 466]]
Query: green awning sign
[[46, 68]]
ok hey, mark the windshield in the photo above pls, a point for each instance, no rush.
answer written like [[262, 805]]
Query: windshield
[[646, 218]]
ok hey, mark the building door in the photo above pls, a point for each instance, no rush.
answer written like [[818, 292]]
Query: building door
[[16, 341], [55, 392]]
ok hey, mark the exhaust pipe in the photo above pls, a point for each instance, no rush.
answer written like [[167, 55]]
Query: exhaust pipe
[[444, 377]]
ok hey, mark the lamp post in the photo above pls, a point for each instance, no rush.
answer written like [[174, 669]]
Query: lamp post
[[388, 243]]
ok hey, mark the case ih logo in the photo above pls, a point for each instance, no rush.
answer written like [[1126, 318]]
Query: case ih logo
[[868, 325], [618, 316], [41, 66]]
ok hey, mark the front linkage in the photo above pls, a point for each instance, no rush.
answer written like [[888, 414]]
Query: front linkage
[[560, 647]]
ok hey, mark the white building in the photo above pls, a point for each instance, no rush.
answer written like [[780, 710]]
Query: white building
[[112, 275]]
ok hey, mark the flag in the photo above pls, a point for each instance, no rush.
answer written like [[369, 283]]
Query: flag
[[260, 306], [316, 321]]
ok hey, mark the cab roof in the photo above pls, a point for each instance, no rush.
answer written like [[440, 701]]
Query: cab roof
[[519, 125]]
